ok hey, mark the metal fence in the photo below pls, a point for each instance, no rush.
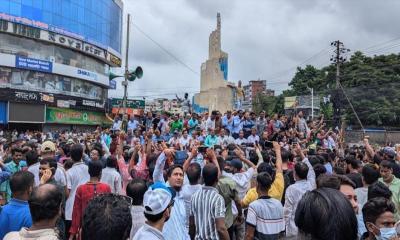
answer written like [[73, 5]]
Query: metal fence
[[380, 137]]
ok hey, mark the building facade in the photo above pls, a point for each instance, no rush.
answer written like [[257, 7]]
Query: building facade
[[252, 90], [55, 57], [216, 93]]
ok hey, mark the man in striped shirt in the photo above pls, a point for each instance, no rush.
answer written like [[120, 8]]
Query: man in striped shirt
[[265, 215], [207, 211]]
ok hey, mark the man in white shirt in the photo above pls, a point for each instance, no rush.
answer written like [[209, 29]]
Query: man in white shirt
[[132, 124], [111, 176], [185, 140], [241, 140], [305, 181], [77, 175], [48, 150], [253, 138], [210, 124], [117, 124]]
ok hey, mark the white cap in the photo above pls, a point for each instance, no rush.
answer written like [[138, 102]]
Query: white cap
[[156, 200]]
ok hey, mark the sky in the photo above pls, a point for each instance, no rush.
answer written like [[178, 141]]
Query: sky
[[265, 39]]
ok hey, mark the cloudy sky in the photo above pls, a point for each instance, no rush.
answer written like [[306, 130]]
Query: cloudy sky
[[265, 39]]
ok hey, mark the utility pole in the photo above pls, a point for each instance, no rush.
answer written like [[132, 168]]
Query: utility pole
[[126, 75], [338, 59], [312, 104]]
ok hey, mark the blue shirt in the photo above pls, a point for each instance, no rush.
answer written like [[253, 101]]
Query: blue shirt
[[14, 216], [192, 124], [175, 228], [328, 168], [4, 176], [12, 168], [236, 125]]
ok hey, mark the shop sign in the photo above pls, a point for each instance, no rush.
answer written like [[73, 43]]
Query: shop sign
[[33, 64], [130, 103], [69, 116], [60, 39], [63, 104], [22, 96], [91, 103], [113, 84], [86, 73]]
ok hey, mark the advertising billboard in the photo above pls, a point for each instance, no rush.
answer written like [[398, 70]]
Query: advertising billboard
[[59, 39], [93, 21]]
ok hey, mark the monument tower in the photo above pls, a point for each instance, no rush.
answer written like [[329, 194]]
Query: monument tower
[[216, 93]]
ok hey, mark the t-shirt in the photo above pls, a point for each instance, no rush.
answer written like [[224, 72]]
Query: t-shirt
[[266, 216], [138, 219], [77, 175], [207, 206], [111, 177], [14, 216], [147, 232], [276, 190], [227, 188]]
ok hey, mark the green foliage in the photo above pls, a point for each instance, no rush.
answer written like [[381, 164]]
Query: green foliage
[[270, 104], [371, 84]]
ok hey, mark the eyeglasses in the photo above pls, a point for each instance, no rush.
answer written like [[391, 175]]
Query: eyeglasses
[[171, 204], [127, 198]]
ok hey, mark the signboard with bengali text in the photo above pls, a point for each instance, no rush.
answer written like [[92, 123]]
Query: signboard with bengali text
[[69, 116]]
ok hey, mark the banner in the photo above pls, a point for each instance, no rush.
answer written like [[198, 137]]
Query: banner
[[130, 103], [56, 100], [69, 116], [129, 111]]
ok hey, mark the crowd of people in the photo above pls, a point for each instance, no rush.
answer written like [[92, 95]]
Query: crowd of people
[[234, 175]]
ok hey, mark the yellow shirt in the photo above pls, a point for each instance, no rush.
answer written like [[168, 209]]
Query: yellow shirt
[[276, 191]]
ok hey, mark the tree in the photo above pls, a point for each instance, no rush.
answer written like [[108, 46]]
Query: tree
[[370, 83]]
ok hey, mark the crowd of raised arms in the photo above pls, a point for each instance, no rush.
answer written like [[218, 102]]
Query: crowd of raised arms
[[234, 175]]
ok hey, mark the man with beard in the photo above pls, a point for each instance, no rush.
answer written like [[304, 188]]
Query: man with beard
[[175, 228]]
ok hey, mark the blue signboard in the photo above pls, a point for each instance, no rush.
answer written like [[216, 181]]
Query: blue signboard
[[113, 84], [33, 64], [3, 112]]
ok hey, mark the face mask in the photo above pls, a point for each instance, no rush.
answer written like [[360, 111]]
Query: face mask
[[386, 233]]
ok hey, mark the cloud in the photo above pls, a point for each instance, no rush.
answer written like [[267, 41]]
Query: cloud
[[265, 39]]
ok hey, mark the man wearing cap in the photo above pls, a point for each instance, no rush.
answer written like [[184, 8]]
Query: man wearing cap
[[175, 228], [389, 154], [48, 150], [242, 180], [157, 202]]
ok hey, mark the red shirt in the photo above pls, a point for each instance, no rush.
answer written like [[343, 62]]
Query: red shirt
[[83, 195]]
